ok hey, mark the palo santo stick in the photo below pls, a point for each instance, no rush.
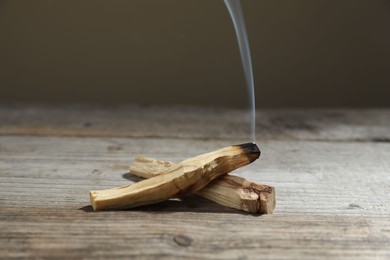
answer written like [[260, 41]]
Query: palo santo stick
[[228, 190], [181, 179]]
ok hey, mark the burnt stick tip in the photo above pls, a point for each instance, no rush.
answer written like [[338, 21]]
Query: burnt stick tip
[[251, 149]]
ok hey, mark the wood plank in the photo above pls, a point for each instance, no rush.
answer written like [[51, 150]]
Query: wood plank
[[330, 169], [195, 123], [152, 233], [310, 177]]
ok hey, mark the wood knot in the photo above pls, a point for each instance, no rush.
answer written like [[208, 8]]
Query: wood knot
[[183, 240], [354, 206], [114, 148]]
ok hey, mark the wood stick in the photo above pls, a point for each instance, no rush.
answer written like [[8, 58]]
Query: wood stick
[[189, 176], [228, 190]]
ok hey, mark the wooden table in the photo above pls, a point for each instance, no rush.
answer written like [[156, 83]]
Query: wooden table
[[331, 170]]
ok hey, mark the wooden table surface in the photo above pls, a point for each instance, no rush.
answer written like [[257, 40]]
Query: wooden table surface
[[330, 168]]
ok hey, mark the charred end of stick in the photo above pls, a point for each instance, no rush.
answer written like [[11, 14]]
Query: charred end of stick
[[251, 150]]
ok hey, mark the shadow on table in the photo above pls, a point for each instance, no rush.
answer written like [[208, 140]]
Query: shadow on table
[[190, 203]]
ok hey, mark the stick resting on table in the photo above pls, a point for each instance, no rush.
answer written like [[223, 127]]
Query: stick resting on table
[[189, 176], [228, 190]]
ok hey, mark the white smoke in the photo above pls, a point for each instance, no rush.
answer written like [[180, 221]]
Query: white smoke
[[237, 16]]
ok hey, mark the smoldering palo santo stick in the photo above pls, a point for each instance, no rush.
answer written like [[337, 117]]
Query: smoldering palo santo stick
[[186, 177], [228, 190]]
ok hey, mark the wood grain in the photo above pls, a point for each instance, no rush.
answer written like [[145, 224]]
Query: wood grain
[[332, 184], [228, 190], [369, 125], [178, 181], [154, 233]]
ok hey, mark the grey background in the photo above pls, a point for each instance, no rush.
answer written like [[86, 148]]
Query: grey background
[[322, 53]]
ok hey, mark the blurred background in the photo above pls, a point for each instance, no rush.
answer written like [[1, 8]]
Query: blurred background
[[323, 53]]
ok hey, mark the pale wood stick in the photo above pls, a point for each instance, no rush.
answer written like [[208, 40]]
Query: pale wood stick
[[228, 190], [189, 176]]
